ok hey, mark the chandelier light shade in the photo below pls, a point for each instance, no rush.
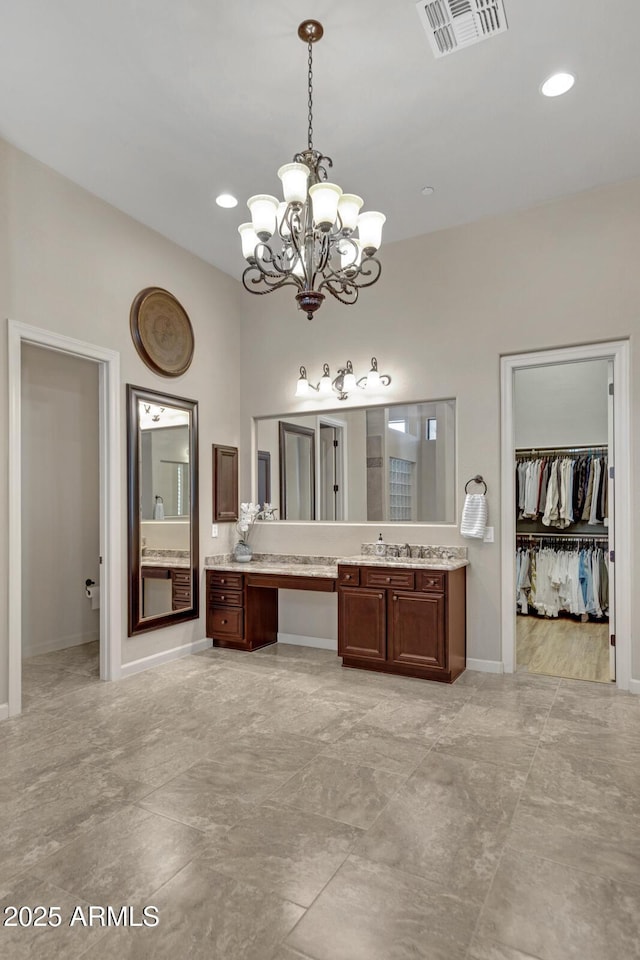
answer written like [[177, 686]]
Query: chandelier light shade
[[315, 239]]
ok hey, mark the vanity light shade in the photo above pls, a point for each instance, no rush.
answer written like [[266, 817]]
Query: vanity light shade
[[294, 178], [370, 230], [349, 382], [325, 198], [325, 387], [302, 387], [263, 214], [373, 378], [249, 239], [349, 208]]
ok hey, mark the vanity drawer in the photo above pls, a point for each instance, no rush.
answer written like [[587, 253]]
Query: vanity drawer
[[226, 622], [432, 581], [384, 577], [220, 578], [181, 576], [181, 592], [349, 576], [225, 598]]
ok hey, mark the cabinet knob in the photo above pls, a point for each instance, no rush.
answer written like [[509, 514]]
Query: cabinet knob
[[388, 579], [347, 576], [223, 581], [395, 597], [224, 621], [222, 596], [380, 596]]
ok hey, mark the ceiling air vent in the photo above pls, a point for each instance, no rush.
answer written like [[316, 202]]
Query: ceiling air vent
[[453, 24]]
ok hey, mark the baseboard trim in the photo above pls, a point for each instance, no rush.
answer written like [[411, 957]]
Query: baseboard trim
[[4, 711], [322, 642], [59, 643], [165, 656], [485, 666], [634, 687]]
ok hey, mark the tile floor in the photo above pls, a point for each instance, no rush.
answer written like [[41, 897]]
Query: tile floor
[[274, 806]]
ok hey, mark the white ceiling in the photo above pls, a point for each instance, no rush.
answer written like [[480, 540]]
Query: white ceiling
[[159, 105]]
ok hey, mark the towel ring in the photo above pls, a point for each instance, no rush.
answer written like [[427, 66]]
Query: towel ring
[[476, 479]]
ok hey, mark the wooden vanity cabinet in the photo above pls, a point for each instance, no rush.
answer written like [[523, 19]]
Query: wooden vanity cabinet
[[411, 622], [240, 616]]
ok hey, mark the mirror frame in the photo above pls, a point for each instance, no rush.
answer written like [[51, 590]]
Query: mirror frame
[[285, 429], [138, 624]]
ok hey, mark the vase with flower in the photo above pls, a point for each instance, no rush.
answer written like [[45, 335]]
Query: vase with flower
[[249, 513]]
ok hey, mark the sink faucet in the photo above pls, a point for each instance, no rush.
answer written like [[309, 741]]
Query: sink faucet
[[405, 551]]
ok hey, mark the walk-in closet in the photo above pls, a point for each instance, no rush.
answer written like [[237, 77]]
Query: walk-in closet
[[564, 505]]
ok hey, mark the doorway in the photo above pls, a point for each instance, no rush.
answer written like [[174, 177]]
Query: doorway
[[60, 522], [21, 336], [561, 420]]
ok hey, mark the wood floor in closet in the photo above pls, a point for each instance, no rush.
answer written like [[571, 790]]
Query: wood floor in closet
[[563, 648]]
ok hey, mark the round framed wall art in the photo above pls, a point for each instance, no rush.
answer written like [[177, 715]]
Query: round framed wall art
[[161, 332]]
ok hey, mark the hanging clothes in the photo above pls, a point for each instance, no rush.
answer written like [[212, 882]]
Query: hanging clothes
[[561, 490], [553, 579]]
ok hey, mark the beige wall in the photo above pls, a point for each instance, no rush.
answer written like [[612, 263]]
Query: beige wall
[[447, 305], [60, 499], [566, 404], [74, 266]]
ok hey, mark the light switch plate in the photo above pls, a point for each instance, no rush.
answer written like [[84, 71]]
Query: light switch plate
[[489, 536], [214, 530]]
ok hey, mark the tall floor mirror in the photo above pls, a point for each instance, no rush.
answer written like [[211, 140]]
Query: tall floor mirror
[[162, 494]]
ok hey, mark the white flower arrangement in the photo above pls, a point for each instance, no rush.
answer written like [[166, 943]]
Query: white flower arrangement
[[249, 513]]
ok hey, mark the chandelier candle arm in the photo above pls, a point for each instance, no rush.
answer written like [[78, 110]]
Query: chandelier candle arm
[[315, 239]]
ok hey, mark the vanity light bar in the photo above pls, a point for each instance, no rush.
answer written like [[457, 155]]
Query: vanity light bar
[[343, 383]]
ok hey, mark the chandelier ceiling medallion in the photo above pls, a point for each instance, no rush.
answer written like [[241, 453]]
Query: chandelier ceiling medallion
[[309, 239]]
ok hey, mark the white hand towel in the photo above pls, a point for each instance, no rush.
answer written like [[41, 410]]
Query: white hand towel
[[474, 516]]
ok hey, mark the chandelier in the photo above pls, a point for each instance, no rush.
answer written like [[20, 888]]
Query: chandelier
[[308, 240]]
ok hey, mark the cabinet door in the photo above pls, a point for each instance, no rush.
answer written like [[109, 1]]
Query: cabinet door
[[362, 623], [225, 482], [417, 630]]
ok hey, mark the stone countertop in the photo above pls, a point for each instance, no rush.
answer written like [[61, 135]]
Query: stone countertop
[[323, 567], [406, 563], [326, 567], [162, 560]]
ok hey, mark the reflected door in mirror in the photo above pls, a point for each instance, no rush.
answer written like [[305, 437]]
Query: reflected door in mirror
[[297, 472]]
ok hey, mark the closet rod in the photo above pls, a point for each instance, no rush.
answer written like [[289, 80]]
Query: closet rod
[[520, 451], [562, 536]]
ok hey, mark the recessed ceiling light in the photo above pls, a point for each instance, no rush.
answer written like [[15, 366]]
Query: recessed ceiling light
[[427, 191], [226, 200], [557, 84]]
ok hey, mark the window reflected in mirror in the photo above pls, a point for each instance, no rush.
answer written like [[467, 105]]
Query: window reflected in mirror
[[375, 464]]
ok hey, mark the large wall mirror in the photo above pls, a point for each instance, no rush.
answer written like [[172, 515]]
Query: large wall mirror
[[375, 464], [162, 477]]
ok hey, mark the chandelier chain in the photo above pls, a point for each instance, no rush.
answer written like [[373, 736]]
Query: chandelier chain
[[310, 62]]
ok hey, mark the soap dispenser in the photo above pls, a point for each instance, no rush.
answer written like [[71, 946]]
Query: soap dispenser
[[380, 546]]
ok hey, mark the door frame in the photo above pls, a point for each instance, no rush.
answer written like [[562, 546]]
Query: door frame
[[110, 497], [619, 352]]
